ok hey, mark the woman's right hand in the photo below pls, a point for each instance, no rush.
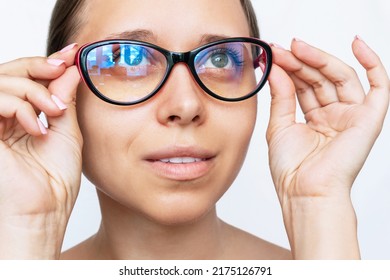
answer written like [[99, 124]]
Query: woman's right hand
[[40, 168]]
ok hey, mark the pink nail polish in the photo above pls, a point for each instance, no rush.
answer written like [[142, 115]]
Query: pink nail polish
[[55, 62], [358, 37], [68, 48], [42, 128], [61, 105], [277, 46], [297, 39]]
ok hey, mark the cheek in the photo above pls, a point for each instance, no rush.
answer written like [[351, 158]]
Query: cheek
[[108, 132], [234, 135], [239, 122]]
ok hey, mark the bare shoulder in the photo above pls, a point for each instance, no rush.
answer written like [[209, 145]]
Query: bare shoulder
[[81, 251], [243, 245]]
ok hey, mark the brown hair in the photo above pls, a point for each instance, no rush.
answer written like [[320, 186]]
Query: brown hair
[[66, 21]]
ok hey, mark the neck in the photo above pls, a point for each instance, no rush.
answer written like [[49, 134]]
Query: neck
[[125, 234]]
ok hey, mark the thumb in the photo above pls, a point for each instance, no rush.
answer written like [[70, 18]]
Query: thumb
[[283, 102], [378, 97], [65, 88]]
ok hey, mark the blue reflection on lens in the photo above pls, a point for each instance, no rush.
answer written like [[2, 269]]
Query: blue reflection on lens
[[101, 58], [133, 54]]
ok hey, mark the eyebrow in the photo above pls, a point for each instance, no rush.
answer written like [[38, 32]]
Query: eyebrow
[[149, 36], [209, 38], [138, 34]]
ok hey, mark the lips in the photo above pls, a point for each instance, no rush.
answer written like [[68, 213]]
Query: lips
[[181, 160], [181, 164]]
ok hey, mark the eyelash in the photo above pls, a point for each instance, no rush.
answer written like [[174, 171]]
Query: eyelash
[[232, 53]]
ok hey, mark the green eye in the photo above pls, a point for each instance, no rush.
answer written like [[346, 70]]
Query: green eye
[[220, 60]]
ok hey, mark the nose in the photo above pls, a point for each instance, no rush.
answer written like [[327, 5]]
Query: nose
[[181, 100]]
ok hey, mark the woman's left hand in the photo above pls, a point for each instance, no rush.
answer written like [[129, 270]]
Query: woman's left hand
[[314, 164]]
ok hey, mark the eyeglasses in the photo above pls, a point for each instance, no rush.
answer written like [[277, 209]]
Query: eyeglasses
[[124, 72]]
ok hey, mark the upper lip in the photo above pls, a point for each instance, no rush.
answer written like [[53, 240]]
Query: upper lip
[[180, 152]]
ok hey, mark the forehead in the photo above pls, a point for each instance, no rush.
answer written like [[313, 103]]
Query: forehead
[[175, 24]]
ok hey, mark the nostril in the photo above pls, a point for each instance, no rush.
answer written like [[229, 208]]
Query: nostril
[[173, 118], [196, 119]]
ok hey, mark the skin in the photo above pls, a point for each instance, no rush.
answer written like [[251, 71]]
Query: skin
[[186, 122], [182, 118], [140, 216], [342, 123]]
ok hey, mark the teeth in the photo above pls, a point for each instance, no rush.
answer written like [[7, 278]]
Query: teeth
[[180, 160]]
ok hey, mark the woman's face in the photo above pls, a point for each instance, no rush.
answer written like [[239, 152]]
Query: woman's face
[[125, 148]]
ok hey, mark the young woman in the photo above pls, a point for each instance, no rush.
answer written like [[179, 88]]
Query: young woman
[[161, 125]]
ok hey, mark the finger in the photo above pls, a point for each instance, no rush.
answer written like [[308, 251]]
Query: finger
[[65, 86], [32, 92], [324, 90], [14, 107], [378, 96], [305, 95], [65, 89], [283, 105], [39, 68], [344, 77], [67, 54]]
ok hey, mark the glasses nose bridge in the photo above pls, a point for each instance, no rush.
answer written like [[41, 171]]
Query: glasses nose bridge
[[180, 57]]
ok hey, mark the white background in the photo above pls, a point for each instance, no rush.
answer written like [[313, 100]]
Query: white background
[[251, 203]]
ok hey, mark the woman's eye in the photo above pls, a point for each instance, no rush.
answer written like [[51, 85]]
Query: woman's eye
[[134, 55], [131, 56], [223, 58], [219, 60]]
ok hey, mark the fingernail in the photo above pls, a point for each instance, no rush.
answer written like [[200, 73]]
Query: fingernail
[[55, 62], [68, 48], [358, 37], [42, 128], [297, 40], [61, 105], [277, 46]]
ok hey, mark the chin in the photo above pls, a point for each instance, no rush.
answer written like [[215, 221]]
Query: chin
[[179, 214], [166, 209]]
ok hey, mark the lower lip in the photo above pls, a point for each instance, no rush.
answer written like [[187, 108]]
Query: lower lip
[[181, 172]]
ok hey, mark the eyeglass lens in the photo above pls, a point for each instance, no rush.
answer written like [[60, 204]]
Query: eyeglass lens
[[128, 72]]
